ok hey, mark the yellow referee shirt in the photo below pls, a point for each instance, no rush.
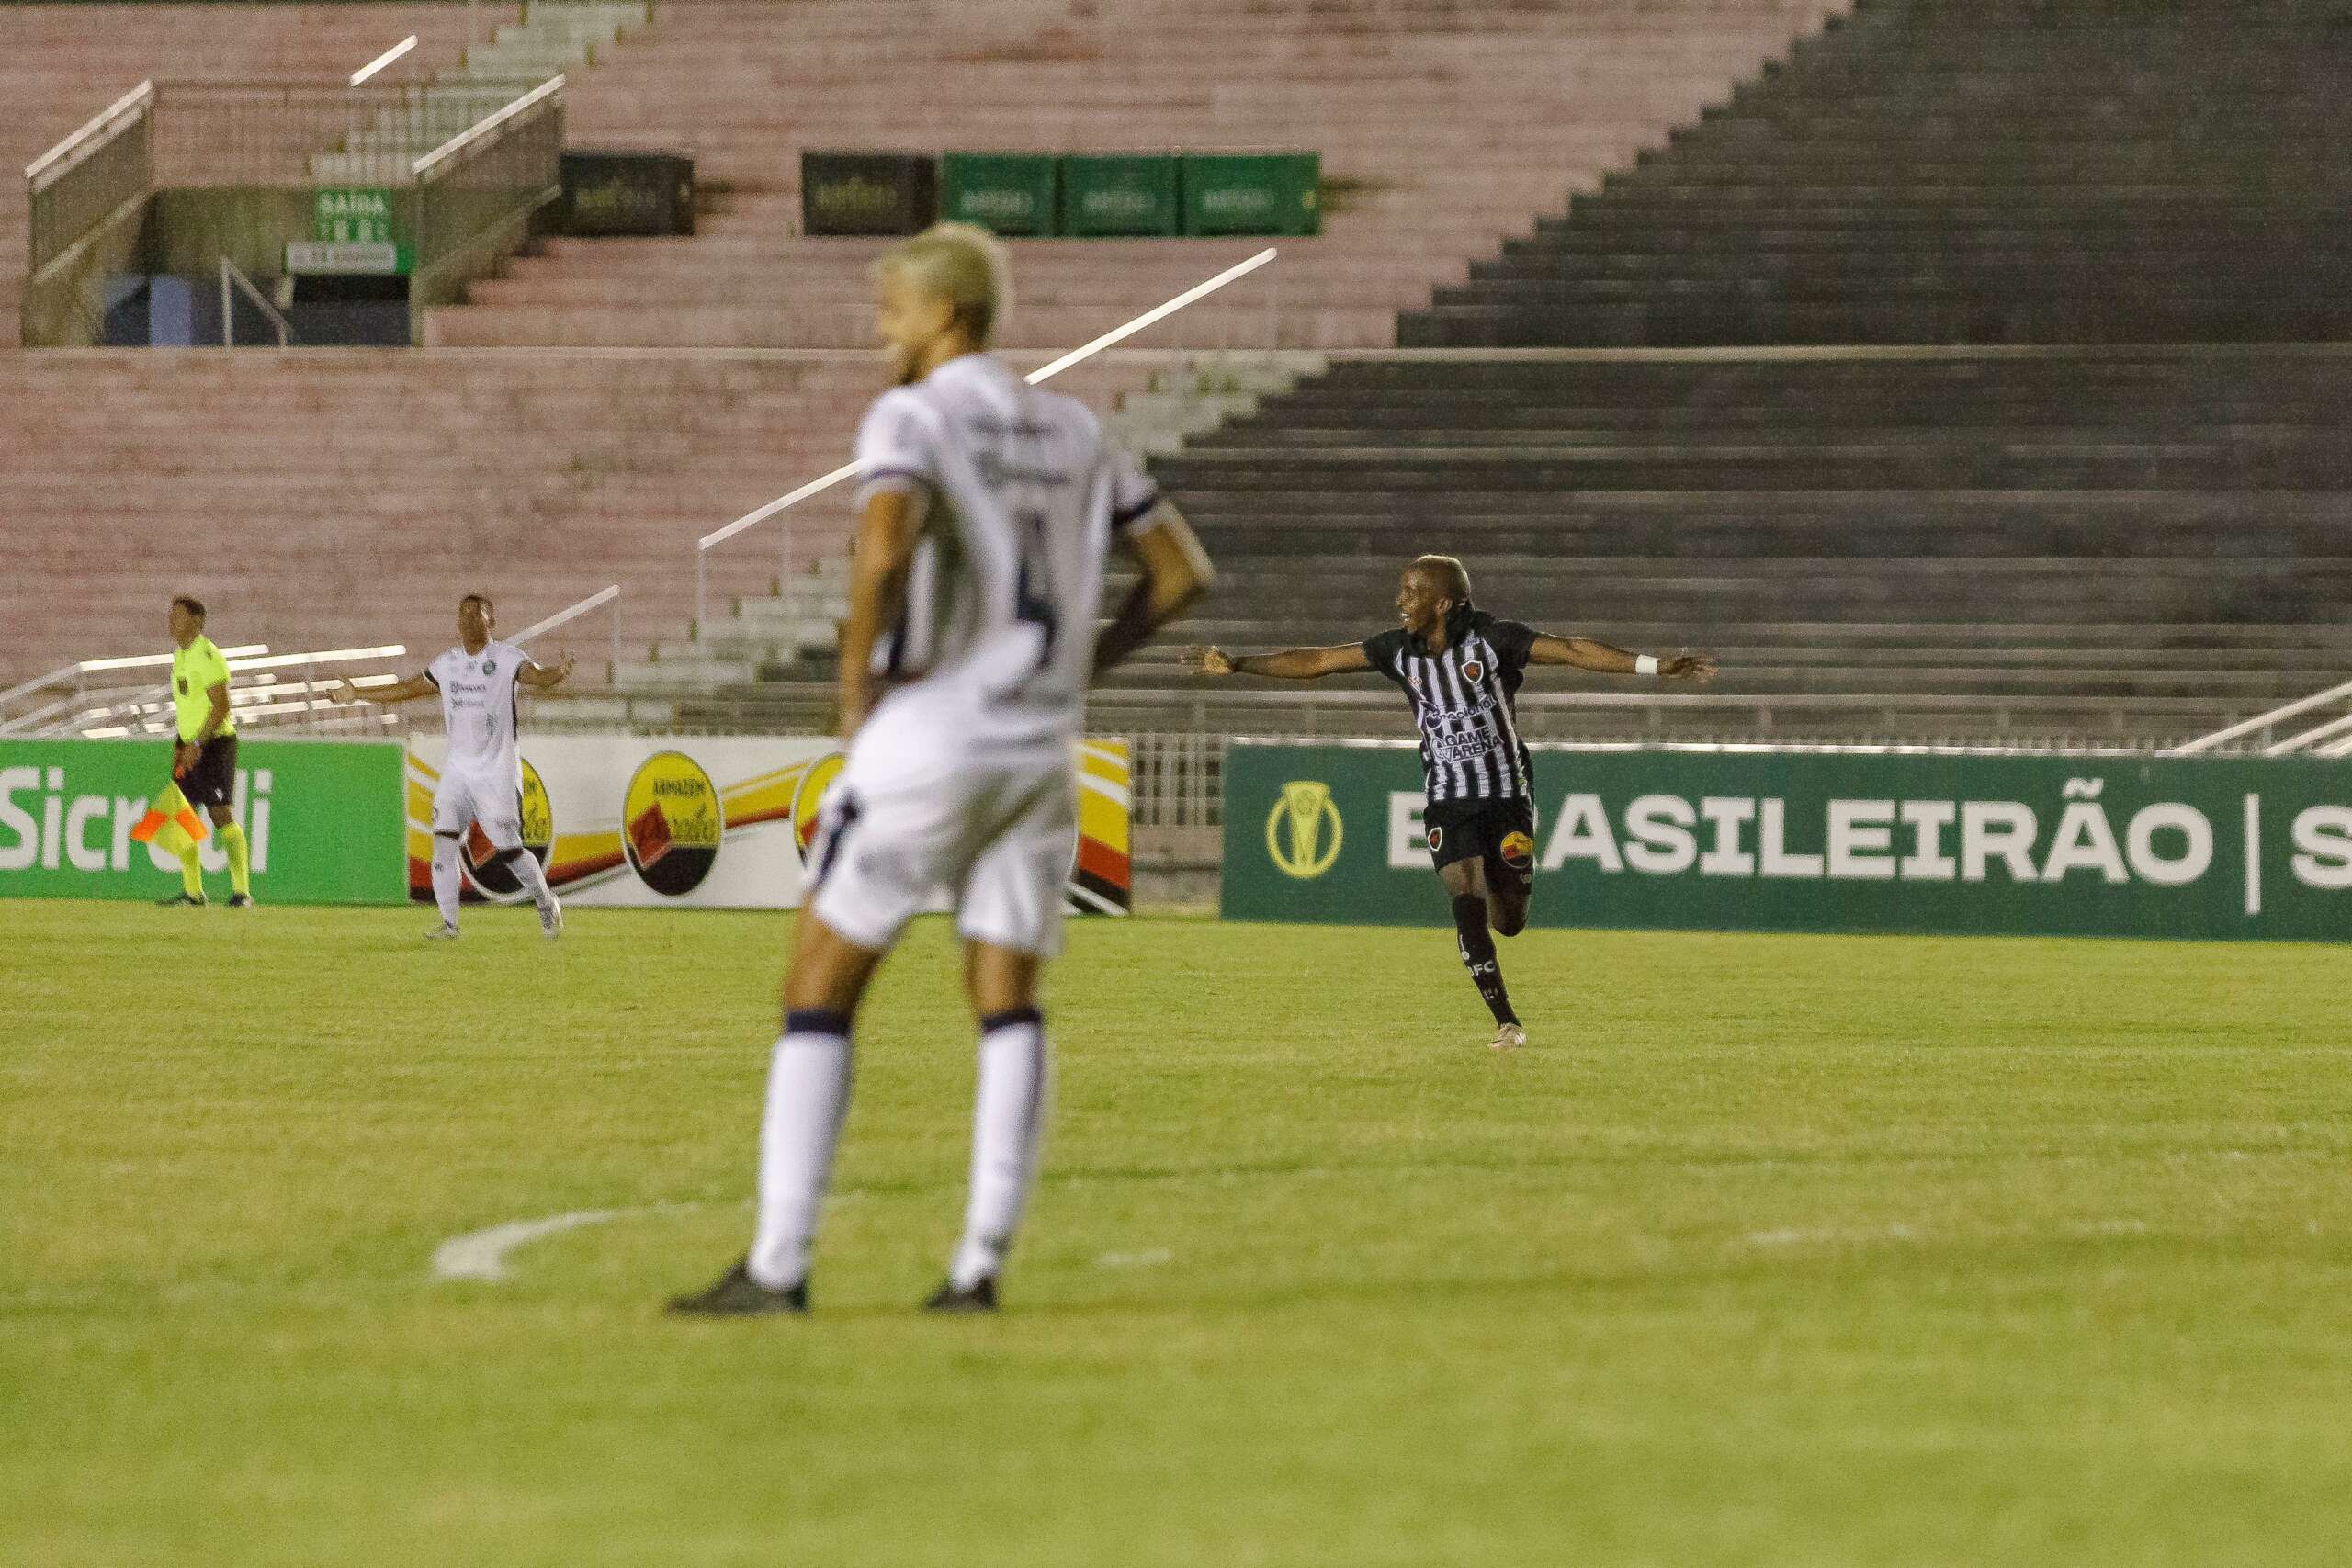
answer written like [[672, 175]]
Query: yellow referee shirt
[[196, 670]]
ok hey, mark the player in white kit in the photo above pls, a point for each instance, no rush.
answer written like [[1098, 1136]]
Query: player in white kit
[[988, 510], [482, 777]]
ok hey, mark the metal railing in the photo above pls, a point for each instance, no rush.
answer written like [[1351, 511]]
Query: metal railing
[[233, 281], [264, 689], [490, 177], [293, 134], [2331, 739], [84, 180]]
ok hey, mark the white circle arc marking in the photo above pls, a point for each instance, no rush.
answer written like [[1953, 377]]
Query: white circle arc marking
[[482, 1255]]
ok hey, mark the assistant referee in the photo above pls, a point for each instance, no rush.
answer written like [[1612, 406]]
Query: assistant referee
[[204, 762]]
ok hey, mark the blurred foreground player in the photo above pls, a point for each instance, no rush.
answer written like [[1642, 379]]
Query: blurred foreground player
[[1461, 669], [482, 777], [987, 510], [204, 766]]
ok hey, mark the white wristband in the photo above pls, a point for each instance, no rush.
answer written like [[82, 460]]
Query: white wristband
[[1645, 664]]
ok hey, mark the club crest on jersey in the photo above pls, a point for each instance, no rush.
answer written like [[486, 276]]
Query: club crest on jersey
[[1437, 840], [1519, 851], [1472, 669], [1414, 680], [184, 686], [490, 666]]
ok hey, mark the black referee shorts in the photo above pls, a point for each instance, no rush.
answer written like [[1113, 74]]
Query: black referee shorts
[[1500, 832], [213, 780]]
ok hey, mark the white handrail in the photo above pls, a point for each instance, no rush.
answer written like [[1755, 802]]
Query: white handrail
[[36, 172], [85, 666], [383, 60], [571, 613], [468, 137], [2263, 721], [1044, 373], [2312, 736], [232, 273]]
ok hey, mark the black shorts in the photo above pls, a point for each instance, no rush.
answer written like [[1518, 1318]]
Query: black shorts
[[1500, 832], [213, 780]]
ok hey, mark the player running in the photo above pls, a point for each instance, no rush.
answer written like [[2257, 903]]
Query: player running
[[1461, 669], [988, 508], [482, 777], [204, 765]]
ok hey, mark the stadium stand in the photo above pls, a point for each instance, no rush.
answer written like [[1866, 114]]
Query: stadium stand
[[2080, 539], [1431, 119], [62, 63], [1970, 171], [337, 496]]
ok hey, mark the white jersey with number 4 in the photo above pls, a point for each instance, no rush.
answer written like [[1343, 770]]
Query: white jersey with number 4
[[478, 710], [1022, 493], [965, 776]]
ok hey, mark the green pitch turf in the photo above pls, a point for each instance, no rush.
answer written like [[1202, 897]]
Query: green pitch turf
[[1772, 1251]]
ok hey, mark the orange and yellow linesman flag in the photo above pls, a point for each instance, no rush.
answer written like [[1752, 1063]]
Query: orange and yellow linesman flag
[[170, 807]]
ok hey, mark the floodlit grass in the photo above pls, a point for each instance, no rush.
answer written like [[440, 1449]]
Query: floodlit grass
[[1770, 1250]]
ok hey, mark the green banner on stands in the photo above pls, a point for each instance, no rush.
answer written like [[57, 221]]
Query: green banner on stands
[[1006, 193], [1259, 194], [2041, 845], [1124, 195]]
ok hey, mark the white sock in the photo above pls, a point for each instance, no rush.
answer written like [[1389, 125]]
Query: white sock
[[808, 1096], [445, 876], [534, 879], [1008, 1126]]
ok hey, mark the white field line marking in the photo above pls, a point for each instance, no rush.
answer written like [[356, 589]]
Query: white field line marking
[[482, 1255], [1149, 1259], [1899, 1232], [383, 60]]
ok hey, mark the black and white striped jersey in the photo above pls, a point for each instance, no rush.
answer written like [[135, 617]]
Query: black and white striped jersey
[[1461, 699]]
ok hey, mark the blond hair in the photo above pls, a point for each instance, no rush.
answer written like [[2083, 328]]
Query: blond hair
[[1450, 571], [961, 263]]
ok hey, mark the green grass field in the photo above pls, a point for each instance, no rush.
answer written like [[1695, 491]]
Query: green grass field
[[1773, 1250]]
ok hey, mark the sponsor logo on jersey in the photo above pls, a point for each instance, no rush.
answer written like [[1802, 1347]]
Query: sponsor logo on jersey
[[672, 823], [1519, 851], [1473, 670], [499, 883], [1294, 839]]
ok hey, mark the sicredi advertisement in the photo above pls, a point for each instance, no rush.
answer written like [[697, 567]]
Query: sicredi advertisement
[[1825, 842], [717, 821], [322, 819]]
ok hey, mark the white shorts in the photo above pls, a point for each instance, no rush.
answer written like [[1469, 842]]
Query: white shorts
[[897, 830], [494, 805]]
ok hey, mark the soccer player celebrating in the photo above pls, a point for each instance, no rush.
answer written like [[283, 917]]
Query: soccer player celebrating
[[204, 765], [988, 508], [482, 777], [1461, 669]]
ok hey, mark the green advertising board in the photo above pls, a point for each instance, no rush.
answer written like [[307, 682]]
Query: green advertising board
[[1005, 193], [1120, 195], [1255, 194], [326, 821], [1672, 838]]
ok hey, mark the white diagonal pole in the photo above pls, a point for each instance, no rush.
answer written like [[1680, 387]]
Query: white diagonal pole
[[753, 518]]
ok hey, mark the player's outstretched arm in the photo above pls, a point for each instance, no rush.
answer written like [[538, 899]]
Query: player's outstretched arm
[[1584, 653], [1291, 664], [405, 690], [1176, 573], [546, 677]]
